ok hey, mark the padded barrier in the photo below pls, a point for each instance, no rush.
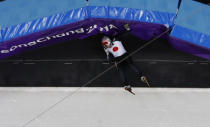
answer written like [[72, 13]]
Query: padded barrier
[[77, 30], [192, 30], [85, 13], [44, 23], [150, 5], [15, 12], [26, 36], [1, 37], [141, 15]]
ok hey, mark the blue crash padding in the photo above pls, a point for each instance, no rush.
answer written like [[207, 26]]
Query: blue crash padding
[[132, 14], [191, 36], [1, 35], [193, 23], [85, 13], [195, 16], [13, 12], [169, 6], [150, 11], [44, 23]]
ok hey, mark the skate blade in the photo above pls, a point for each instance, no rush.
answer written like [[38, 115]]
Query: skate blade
[[147, 83], [131, 92]]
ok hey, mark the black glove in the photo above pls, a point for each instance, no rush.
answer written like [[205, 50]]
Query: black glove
[[127, 27]]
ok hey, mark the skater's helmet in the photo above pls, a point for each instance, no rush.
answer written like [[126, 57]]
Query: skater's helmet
[[106, 41]]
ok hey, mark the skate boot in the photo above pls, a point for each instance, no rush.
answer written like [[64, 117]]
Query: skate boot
[[129, 89], [144, 80]]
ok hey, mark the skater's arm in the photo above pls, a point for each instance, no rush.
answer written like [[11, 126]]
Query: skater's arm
[[107, 54], [121, 33], [106, 51]]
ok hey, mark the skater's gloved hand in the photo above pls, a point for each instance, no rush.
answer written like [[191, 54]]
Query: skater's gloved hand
[[127, 27]]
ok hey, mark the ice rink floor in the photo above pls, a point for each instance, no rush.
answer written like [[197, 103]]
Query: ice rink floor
[[104, 107]]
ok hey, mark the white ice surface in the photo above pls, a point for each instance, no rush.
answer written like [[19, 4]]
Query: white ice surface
[[105, 107]]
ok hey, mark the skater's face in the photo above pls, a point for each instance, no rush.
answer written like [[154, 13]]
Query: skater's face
[[106, 42]]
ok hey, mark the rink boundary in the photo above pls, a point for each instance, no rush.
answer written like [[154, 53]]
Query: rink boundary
[[100, 89]]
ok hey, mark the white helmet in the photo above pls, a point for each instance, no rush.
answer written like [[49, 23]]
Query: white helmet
[[106, 41]]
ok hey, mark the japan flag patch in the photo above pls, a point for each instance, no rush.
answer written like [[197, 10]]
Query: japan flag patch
[[115, 49]]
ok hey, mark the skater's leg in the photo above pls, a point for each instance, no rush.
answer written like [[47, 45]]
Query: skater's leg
[[122, 74], [134, 67]]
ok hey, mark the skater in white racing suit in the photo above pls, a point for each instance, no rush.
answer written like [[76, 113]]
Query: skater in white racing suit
[[116, 50]]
